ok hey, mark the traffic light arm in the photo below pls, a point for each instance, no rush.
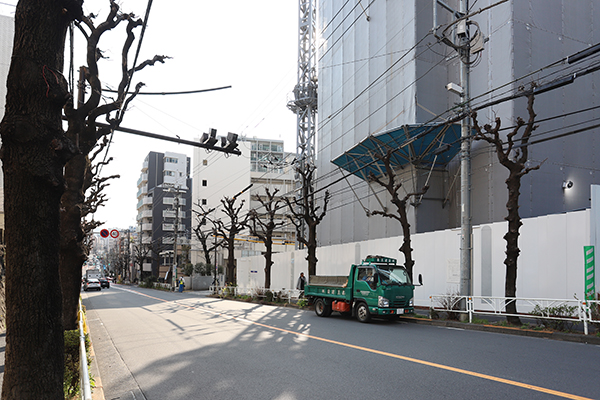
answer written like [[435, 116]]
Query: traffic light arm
[[231, 148]]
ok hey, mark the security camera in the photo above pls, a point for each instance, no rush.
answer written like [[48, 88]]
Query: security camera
[[567, 184], [454, 88]]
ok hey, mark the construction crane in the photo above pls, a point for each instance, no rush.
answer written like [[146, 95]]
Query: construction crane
[[304, 104]]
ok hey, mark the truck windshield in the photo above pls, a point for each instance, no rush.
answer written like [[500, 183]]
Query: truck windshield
[[394, 276]]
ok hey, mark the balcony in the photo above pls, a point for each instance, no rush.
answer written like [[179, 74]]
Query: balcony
[[180, 241], [171, 214], [144, 214], [171, 201], [146, 227], [144, 201], [171, 227], [142, 191], [143, 178]]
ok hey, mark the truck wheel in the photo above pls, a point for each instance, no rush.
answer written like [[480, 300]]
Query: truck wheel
[[322, 309], [362, 313]]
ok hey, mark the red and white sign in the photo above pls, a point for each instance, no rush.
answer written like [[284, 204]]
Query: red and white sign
[[114, 234]]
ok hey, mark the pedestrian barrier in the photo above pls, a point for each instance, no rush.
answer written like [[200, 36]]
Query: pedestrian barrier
[[284, 294], [585, 311], [86, 389]]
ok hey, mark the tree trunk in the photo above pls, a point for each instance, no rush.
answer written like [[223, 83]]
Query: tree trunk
[[268, 262], [72, 251], [230, 273], [512, 247], [311, 249], [405, 248], [34, 151]]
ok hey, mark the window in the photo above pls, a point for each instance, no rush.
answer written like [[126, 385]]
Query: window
[[169, 173], [203, 202], [367, 274], [170, 160], [204, 183]]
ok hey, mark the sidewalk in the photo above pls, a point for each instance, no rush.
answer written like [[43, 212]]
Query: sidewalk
[[507, 330]]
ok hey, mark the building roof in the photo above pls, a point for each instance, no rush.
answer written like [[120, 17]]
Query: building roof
[[428, 145]]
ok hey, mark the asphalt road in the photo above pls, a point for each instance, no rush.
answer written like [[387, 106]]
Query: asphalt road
[[156, 345]]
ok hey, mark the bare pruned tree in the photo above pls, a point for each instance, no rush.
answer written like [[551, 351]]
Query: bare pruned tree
[[305, 212], [236, 223], [392, 186], [263, 225], [84, 131], [207, 238], [35, 151], [94, 186], [144, 252], [513, 154]]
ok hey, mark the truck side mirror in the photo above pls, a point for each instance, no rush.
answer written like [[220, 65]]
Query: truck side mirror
[[420, 279]]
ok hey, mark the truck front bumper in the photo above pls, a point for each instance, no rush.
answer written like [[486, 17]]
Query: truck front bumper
[[391, 311]]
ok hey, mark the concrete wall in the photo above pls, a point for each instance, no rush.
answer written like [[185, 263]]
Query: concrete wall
[[197, 282], [551, 263]]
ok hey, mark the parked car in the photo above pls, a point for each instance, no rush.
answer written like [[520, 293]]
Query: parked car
[[104, 282], [92, 284]]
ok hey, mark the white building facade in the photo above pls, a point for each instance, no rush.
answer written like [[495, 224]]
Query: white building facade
[[262, 164]]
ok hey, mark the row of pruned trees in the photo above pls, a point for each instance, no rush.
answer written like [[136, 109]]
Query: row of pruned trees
[[512, 152], [305, 214], [263, 222]]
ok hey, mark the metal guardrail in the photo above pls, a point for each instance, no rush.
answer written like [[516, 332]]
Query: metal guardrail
[[592, 312], [287, 294], [585, 311], [86, 389]]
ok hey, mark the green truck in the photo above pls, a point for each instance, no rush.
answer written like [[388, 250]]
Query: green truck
[[376, 287]]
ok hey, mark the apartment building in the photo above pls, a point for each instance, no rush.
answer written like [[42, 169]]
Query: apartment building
[[164, 210]]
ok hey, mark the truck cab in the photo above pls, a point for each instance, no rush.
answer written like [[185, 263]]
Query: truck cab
[[383, 287], [376, 287]]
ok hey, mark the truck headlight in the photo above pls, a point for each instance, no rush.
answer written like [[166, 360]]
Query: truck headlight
[[382, 302], [411, 302]]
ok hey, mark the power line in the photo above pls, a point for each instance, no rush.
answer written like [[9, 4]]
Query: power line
[[172, 93]]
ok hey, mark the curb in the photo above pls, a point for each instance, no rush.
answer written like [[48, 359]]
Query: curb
[[97, 389], [563, 336]]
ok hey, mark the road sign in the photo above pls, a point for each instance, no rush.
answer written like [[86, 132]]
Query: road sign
[[114, 234], [104, 233]]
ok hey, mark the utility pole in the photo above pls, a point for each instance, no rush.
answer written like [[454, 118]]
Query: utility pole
[[466, 230], [463, 48], [140, 252], [128, 256], [176, 203]]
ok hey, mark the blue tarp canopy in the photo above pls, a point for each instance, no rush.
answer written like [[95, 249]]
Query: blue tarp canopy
[[427, 146]]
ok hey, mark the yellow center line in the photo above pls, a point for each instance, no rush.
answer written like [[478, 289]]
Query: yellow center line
[[384, 353]]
